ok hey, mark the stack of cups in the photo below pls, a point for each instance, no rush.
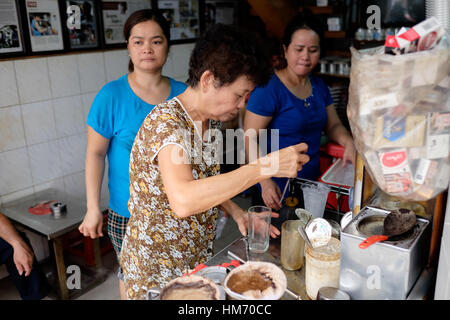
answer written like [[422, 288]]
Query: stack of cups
[[441, 10]]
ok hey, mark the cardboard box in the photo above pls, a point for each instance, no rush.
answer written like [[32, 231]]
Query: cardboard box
[[394, 132]]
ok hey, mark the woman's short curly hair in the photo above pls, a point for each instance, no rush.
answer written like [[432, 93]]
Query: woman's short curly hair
[[229, 52]]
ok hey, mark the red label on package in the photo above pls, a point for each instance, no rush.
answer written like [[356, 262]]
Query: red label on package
[[393, 160], [396, 171]]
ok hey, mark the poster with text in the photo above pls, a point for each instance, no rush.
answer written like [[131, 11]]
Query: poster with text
[[183, 16], [10, 33], [44, 25], [115, 13]]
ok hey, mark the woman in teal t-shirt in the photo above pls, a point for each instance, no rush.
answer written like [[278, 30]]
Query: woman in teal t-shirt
[[115, 118]]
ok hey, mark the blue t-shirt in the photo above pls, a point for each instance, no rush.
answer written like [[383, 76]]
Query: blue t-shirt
[[298, 120], [117, 114]]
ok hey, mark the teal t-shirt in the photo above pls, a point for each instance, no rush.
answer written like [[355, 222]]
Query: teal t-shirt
[[117, 114]]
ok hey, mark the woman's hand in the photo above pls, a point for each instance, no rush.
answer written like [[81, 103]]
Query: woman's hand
[[92, 224], [271, 194], [241, 218], [284, 163], [349, 154]]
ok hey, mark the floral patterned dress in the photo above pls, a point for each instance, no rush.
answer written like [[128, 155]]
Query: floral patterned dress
[[158, 245]]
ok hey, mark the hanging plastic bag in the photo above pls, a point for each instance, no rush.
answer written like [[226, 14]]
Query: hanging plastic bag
[[399, 114]]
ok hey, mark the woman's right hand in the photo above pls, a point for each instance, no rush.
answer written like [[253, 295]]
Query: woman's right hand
[[92, 224], [271, 194], [285, 163]]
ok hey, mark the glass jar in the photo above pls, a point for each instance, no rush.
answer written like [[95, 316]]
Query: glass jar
[[322, 267], [292, 245]]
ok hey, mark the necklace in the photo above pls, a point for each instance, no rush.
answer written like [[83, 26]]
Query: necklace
[[306, 101]]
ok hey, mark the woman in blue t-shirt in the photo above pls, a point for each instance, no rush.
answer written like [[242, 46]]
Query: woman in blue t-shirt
[[298, 105], [115, 118]]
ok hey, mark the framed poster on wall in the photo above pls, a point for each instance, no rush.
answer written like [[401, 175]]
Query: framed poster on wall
[[44, 25], [183, 16], [11, 35], [220, 11], [114, 15], [81, 25]]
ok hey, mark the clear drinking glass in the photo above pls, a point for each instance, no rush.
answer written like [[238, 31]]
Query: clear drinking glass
[[315, 195], [259, 228], [292, 245]]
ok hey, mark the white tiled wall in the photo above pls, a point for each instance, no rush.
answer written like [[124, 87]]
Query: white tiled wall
[[44, 103]]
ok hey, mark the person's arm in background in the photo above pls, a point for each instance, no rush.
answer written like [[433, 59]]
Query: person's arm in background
[[97, 147], [253, 123], [23, 254], [338, 133]]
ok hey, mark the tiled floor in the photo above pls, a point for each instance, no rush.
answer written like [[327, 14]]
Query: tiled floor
[[109, 289]]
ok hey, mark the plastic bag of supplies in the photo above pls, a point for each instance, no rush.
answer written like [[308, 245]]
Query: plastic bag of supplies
[[399, 114]]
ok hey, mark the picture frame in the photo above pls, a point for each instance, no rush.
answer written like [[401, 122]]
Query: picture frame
[[12, 41], [43, 27], [81, 25], [113, 15], [186, 22], [220, 11]]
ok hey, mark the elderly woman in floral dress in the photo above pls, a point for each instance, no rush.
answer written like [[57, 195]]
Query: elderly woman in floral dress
[[175, 185]]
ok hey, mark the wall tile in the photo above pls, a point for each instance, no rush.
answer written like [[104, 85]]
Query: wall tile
[[91, 68], [68, 116], [74, 184], [13, 196], [64, 78], [8, 89], [15, 173], [181, 54], [39, 122], [12, 135], [57, 184], [168, 69], [116, 64], [32, 80], [72, 153], [45, 162], [87, 99]]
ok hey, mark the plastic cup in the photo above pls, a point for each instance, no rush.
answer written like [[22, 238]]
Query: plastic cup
[[315, 195], [259, 228]]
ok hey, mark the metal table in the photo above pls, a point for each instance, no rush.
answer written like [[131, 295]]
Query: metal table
[[296, 288], [52, 228]]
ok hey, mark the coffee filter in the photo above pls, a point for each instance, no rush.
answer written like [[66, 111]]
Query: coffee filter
[[189, 280], [269, 269]]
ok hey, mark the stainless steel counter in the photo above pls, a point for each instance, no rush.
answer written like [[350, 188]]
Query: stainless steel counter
[[236, 251]]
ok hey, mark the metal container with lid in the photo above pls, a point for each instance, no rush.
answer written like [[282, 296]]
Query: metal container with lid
[[385, 270]]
